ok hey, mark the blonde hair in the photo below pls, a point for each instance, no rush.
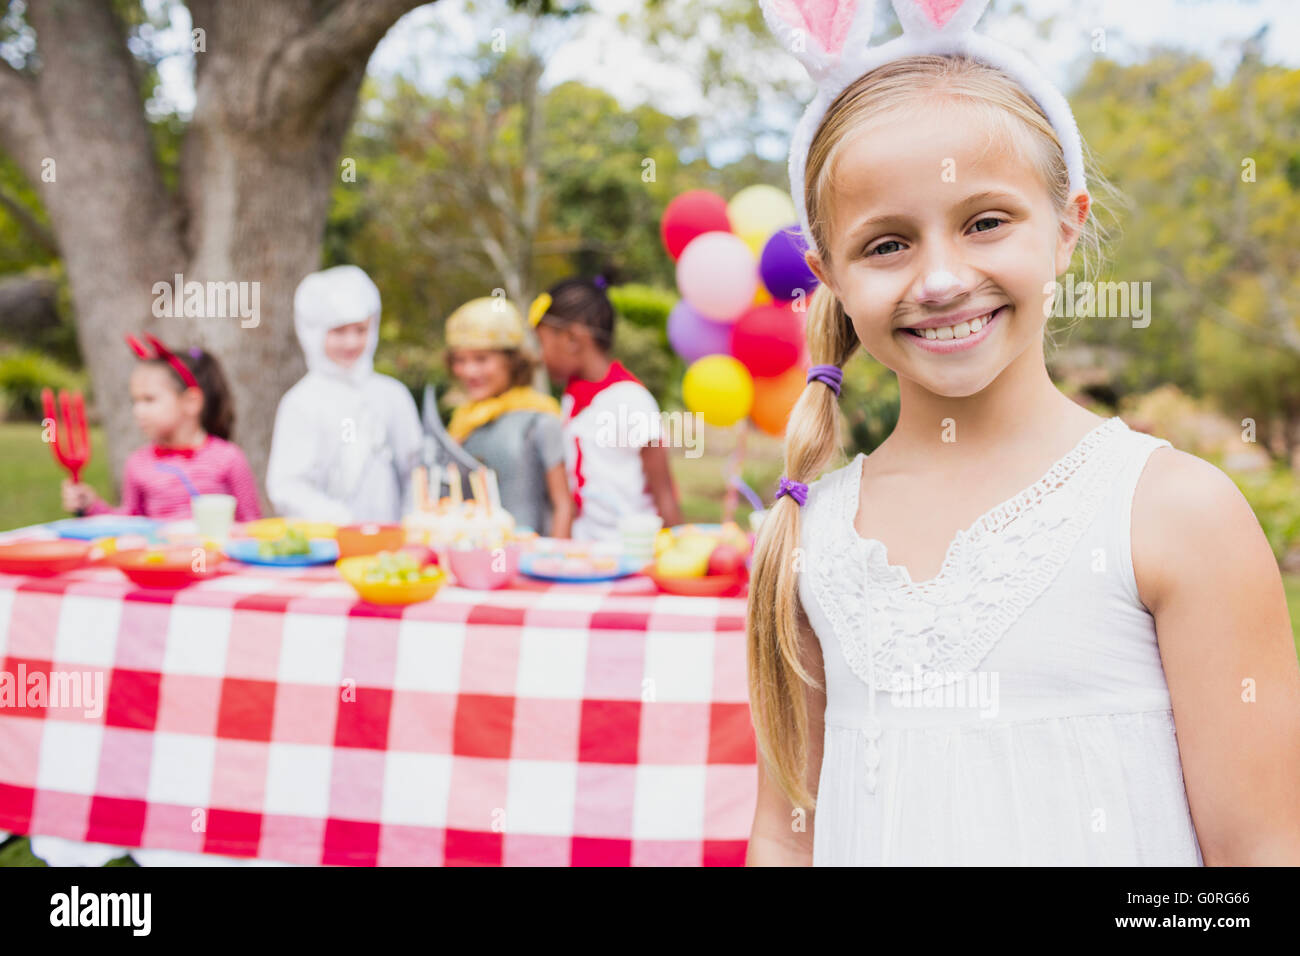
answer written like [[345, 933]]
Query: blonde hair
[[778, 675]]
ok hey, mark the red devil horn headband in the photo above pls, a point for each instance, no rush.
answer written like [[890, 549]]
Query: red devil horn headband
[[163, 353]]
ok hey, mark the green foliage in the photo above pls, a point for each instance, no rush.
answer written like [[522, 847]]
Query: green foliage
[[869, 399], [22, 376], [1213, 224], [643, 305], [1274, 496]]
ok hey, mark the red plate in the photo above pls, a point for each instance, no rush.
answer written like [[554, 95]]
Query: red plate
[[175, 570], [711, 585], [43, 558]]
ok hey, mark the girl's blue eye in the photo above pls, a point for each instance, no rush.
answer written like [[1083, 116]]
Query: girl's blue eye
[[996, 223], [885, 246]]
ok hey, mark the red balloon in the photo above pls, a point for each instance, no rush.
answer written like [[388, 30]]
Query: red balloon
[[767, 340], [691, 214]]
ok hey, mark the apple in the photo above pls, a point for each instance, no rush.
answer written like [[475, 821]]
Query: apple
[[732, 535], [726, 559]]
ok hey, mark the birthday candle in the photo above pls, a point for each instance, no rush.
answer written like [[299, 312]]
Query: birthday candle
[[435, 485], [453, 481]]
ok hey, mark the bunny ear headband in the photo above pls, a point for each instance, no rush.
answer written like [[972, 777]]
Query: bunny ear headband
[[831, 38]]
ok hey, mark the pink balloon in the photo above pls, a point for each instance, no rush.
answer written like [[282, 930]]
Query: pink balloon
[[717, 275]]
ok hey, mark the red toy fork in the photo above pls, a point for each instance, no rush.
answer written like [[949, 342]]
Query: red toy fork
[[71, 439]]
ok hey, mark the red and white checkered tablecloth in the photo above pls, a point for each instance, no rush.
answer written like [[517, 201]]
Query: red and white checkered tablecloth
[[268, 714]]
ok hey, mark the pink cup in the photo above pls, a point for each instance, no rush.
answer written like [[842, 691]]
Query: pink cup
[[473, 567]]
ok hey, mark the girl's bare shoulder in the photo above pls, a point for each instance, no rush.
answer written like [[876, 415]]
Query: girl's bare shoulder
[[1188, 515]]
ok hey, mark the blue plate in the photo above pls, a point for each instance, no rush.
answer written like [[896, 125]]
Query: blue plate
[[104, 526], [626, 567], [323, 551]]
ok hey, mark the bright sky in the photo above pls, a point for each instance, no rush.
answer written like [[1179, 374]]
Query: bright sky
[[424, 44]]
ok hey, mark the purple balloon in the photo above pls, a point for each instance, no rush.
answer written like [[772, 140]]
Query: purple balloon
[[782, 265], [692, 336]]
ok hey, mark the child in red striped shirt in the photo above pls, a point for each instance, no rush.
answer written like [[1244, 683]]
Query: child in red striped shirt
[[182, 403]]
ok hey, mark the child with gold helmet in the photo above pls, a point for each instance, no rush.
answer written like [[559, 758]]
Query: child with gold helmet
[[506, 423]]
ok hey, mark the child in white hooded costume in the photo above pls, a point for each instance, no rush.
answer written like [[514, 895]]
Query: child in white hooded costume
[[346, 437]]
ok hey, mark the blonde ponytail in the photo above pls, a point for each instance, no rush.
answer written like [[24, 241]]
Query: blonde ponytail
[[777, 674]]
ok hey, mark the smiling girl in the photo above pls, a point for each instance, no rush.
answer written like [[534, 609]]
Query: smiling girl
[[1016, 632], [506, 423]]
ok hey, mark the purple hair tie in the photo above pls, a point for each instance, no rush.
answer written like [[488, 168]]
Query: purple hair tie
[[795, 489], [599, 282], [830, 375], [195, 352]]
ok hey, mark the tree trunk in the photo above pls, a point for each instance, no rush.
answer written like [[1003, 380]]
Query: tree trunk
[[276, 86]]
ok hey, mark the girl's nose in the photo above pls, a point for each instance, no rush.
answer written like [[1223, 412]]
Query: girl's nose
[[938, 286]]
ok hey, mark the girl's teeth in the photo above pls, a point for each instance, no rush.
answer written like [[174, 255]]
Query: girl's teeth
[[958, 331]]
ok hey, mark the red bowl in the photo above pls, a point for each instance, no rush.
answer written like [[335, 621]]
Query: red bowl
[[175, 570], [710, 585], [43, 558]]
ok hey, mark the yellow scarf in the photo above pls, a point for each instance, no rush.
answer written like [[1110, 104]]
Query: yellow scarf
[[474, 415]]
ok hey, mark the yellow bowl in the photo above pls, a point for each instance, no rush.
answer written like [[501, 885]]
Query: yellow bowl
[[353, 571]]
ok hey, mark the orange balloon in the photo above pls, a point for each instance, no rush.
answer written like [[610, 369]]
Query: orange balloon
[[775, 397], [762, 296]]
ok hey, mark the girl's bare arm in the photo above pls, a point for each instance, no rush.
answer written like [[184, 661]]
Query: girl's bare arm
[[659, 482], [557, 487], [1205, 571]]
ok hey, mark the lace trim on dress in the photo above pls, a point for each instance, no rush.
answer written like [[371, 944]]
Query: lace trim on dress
[[898, 635]]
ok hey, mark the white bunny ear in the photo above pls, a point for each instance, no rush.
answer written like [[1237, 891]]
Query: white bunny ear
[[921, 18], [820, 32]]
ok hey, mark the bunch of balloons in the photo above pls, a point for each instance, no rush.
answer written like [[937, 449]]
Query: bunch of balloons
[[744, 286]]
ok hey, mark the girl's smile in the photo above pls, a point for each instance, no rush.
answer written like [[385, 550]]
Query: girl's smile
[[953, 333]]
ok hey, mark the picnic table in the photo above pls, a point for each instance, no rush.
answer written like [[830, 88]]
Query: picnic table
[[267, 715]]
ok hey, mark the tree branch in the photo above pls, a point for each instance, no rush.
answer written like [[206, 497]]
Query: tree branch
[[338, 44], [22, 133], [30, 224]]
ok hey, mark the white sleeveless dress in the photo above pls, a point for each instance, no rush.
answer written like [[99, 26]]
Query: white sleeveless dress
[[1011, 710]]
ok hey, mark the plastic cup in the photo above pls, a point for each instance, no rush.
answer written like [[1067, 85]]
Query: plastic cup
[[637, 533], [213, 515]]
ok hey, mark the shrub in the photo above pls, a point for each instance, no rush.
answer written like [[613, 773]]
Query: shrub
[[643, 305], [23, 374], [1274, 496]]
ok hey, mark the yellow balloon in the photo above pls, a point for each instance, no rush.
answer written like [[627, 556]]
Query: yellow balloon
[[758, 211], [719, 388], [762, 296], [756, 241]]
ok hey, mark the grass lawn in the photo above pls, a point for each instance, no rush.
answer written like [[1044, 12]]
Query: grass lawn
[[30, 477], [29, 494]]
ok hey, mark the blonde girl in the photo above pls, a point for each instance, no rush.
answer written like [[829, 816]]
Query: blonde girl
[[1016, 632]]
